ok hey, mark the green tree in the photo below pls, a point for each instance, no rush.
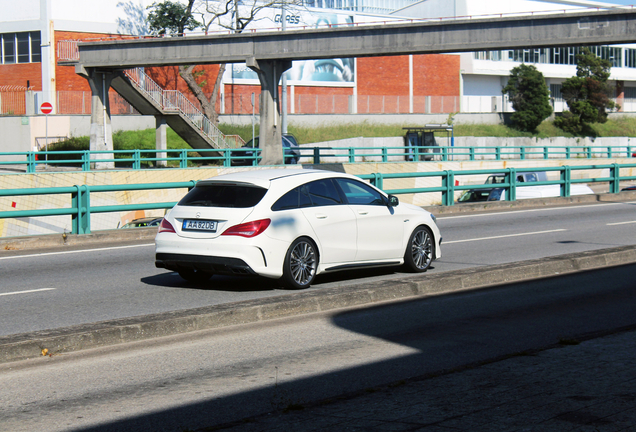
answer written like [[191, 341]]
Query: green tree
[[587, 95], [530, 97], [171, 18]]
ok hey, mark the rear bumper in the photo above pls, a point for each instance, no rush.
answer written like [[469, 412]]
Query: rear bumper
[[212, 264]]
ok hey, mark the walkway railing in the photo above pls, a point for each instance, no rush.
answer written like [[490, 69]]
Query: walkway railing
[[183, 158], [81, 208]]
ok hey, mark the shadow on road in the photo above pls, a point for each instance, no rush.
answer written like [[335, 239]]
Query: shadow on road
[[254, 283], [447, 332], [215, 283]]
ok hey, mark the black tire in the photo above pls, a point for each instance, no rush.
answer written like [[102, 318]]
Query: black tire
[[420, 250], [301, 263], [194, 275]]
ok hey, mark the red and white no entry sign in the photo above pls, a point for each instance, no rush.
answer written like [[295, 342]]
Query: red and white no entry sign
[[46, 108]]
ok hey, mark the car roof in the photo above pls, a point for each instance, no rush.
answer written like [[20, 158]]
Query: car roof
[[264, 177], [145, 219]]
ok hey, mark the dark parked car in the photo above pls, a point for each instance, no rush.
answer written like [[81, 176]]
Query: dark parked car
[[290, 147], [474, 195], [143, 222]]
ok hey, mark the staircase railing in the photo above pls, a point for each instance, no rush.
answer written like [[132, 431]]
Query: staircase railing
[[174, 100]]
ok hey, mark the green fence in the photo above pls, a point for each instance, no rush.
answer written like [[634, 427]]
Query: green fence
[[81, 209], [183, 158]]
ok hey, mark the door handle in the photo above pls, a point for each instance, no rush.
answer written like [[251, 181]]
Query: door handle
[[321, 216], [363, 212]]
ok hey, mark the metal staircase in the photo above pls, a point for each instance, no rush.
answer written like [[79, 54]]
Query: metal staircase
[[147, 97]]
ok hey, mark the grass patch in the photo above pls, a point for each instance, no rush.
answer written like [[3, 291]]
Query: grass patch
[[623, 126], [122, 140], [619, 127]]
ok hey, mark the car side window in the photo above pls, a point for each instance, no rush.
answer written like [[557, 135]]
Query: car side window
[[323, 193], [295, 198], [360, 193]]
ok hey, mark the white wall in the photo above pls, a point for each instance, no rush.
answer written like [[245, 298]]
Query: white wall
[[101, 16], [482, 85], [23, 10], [478, 7], [20, 134]]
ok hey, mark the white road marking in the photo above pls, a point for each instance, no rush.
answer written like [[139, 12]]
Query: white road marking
[[621, 223], [76, 251], [26, 292], [528, 211], [503, 236]]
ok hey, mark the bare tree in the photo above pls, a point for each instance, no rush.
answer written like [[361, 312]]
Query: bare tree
[[234, 15]]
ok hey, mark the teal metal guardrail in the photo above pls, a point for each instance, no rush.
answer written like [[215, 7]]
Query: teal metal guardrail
[[449, 187], [81, 208], [136, 159]]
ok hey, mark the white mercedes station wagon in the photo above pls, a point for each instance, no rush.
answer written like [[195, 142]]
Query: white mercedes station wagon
[[292, 224]]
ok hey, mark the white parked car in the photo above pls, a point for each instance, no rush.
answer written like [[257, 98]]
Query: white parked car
[[292, 225], [545, 191]]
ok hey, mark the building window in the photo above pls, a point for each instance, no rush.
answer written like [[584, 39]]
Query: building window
[[8, 45], [630, 94], [630, 58], [555, 92], [560, 56], [23, 47], [36, 47]]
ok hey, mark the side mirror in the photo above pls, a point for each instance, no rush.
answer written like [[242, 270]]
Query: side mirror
[[393, 201]]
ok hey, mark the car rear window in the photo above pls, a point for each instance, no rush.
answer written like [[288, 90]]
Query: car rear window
[[223, 195]]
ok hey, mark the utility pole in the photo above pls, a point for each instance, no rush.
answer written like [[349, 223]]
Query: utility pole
[[283, 108]]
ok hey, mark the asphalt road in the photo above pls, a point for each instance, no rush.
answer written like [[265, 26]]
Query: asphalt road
[[64, 287], [212, 377]]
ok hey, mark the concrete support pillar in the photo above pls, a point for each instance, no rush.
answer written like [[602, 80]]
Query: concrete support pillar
[[411, 84], [161, 138], [101, 135], [270, 138], [29, 103], [620, 94]]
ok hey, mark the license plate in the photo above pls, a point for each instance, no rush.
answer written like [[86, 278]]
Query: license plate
[[199, 225]]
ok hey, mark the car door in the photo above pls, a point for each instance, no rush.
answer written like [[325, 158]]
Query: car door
[[332, 220], [380, 231]]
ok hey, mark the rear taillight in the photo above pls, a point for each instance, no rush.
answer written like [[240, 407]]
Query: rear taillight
[[165, 226], [248, 229]]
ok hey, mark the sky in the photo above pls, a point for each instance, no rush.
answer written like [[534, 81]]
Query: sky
[[622, 2]]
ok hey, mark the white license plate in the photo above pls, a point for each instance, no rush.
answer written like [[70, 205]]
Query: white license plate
[[199, 225]]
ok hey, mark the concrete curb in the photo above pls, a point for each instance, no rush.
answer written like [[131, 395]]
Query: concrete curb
[[81, 337], [56, 240]]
